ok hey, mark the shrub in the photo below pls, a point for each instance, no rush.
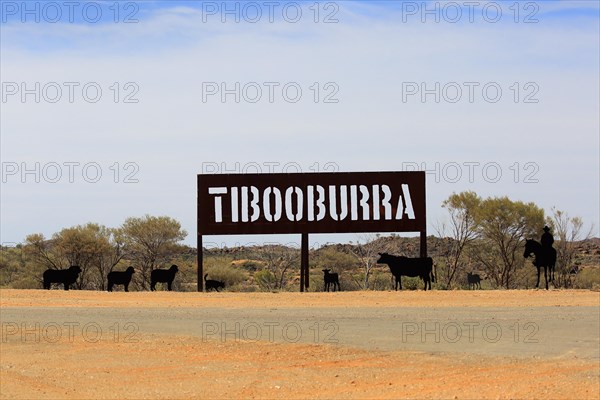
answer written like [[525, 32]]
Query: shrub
[[587, 278], [249, 265], [381, 281], [266, 280], [409, 283], [28, 282], [228, 274]]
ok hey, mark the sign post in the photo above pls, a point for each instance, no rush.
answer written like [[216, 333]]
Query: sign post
[[304, 270], [200, 264], [234, 204]]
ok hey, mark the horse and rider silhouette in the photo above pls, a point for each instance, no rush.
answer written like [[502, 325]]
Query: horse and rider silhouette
[[545, 255]]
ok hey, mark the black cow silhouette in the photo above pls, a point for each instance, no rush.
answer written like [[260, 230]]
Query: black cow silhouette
[[474, 280], [544, 258], [65, 276], [399, 265], [211, 284], [120, 278], [163, 275], [330, 279]]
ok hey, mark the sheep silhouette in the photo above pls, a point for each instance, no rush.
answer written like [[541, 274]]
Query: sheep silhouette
[[120, 278], [211, 284], [65, 276], [164, 276], [330, 279]]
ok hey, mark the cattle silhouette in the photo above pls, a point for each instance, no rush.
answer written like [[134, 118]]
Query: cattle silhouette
[[330, 279], [164, 276], [65, 276], [399, 265], [120, 278]]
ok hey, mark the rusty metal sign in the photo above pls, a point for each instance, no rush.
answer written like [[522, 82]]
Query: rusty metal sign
[[311, 203]]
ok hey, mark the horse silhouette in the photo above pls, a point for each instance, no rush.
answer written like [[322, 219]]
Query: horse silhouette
[[544, 258]]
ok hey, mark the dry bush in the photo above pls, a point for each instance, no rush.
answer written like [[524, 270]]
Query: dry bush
[[587, 278]]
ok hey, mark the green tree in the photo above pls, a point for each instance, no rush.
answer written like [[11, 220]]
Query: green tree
[[366, 252], [151, 241], [42, 254], [111, 251], [84, 245], [93, 247], [279, 260], [503, 225], [462, 228], [567, 230], [14, 271]]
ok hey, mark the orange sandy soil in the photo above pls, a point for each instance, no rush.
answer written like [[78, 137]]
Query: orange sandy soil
[[175, 366], [473, 298]]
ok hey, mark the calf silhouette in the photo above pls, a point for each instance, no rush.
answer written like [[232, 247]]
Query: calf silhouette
[[65, 276], [421, 267], [163, 275], [330, 279], [120, 278], [474, 280], [210, 284]]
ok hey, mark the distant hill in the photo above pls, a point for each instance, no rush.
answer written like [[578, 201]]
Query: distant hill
[[587, 253]]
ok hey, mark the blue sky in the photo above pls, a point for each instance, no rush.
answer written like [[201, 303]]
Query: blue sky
[[546, 148]]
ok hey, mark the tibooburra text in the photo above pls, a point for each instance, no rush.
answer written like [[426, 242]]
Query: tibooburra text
[[311, 203]]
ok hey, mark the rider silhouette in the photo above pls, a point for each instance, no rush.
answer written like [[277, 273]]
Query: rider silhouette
[[547, 238], [548, 252]]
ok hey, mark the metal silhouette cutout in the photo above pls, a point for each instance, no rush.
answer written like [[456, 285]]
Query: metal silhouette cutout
[[120, 278], [330, 279], [544, 255], [399, 265], [307, 203], [474, 281], [65, 276], [164, 276], [210, 284]]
